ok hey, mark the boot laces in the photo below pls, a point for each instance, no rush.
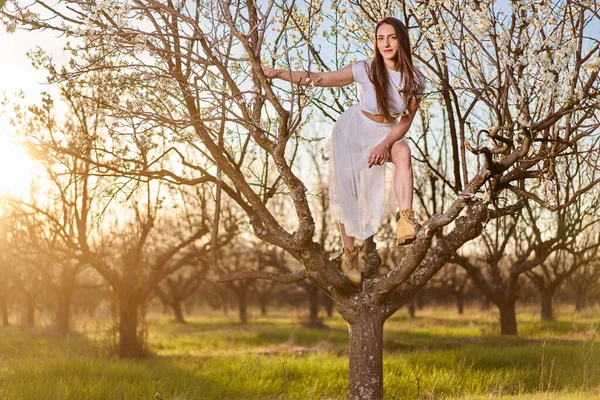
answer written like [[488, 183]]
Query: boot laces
[[351, 257], [411, 218]]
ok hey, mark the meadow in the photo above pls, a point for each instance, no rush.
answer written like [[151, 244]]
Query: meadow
[[438, 355]]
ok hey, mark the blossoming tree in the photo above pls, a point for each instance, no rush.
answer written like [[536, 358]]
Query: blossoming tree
[[515, 92]]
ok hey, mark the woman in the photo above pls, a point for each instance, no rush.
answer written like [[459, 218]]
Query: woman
[[361, 185]]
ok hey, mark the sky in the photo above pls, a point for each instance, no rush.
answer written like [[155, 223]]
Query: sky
[[17, 73]]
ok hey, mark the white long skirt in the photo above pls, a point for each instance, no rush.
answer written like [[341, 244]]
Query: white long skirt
[[359, 197]]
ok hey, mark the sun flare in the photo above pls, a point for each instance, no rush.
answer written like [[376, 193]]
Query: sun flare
[[16, 167]]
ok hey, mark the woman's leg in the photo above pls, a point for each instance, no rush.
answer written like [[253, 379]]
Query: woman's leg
[[347, 240], [403, 176], [408, 225]]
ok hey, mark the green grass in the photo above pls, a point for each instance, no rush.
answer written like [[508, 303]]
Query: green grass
[[438, 355]]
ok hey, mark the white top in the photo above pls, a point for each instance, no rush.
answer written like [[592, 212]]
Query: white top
[[368, 97]]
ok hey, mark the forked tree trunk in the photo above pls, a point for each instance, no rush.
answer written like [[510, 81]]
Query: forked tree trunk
[[508, 319], [366, 356], [130, 342], [4, 311]]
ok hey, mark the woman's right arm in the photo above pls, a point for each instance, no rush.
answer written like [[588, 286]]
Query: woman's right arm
[[341, 77]]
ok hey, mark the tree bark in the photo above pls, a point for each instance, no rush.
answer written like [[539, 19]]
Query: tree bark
[[63, 312], [366, 356], [508, 319], [4, 311], [130, 343], [546, 298]]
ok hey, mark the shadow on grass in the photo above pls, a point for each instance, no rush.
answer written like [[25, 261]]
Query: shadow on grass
[[445, 357], [225, 334], [23, 343], [401, 335], [408, 341], [37, 364], [562, 327]]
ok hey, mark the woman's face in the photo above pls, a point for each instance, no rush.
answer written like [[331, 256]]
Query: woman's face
[[387, 42]]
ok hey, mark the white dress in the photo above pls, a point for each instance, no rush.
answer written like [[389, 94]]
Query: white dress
[[361, 197]]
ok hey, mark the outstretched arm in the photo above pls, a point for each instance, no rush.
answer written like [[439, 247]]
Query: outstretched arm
[[341, 77]]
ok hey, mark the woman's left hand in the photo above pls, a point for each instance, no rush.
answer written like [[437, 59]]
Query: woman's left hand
[[379, 155]]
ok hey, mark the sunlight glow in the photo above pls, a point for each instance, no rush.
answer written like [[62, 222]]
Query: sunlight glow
[[16, 167]]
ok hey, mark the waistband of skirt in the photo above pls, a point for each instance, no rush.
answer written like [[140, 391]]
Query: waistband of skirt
[[359, 110]]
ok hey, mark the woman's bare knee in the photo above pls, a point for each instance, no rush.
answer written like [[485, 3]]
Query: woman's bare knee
[[400, 153]]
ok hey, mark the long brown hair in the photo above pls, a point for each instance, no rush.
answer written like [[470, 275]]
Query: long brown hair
[[379, 74]]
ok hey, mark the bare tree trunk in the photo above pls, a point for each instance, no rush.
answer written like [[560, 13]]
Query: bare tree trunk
[[242, 294], [114, 307], [313, 306], [580, 301], [460, 303], [508, 319], [485, 304], [4, 311], [166, 307], [63, 312], [178, 311], [225, 307], [224, 303], [130, 343], [366, 356], [90, 309], [329, 303], [411, 308], [30, 300], [546, 298], [263, 306]]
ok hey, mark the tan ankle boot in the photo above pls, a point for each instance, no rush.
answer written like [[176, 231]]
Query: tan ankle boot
[[350, 265], [408, 226]]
